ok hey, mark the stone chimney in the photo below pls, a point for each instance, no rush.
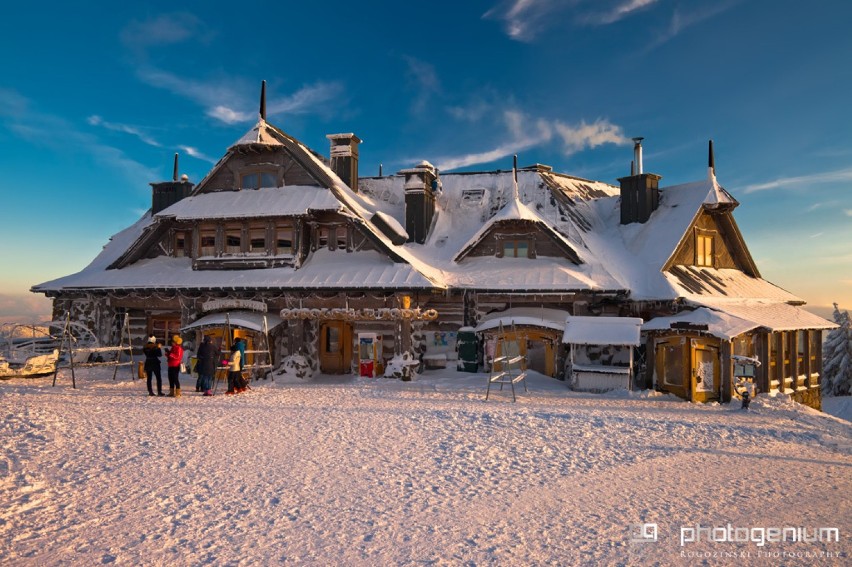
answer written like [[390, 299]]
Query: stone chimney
[[640, 192], [344, 158], [420, 184], [167, 193]]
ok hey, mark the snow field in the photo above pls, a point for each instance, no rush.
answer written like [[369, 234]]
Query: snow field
[[348, 471]]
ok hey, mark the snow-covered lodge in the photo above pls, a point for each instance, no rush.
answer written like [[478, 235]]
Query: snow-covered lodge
[[278, 236]]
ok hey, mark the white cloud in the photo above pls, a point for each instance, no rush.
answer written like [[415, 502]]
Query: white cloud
[[165, 29], [524, 19], [194, 152], [681, 20], [226, 99], [616, 13], [96, 120], [527, 132], [423, 80], [815, 178]]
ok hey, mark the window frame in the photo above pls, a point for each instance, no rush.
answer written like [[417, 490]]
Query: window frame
[[703, 257], [260, 172]]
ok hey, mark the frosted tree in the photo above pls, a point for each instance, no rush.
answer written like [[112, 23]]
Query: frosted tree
[[837, 357]]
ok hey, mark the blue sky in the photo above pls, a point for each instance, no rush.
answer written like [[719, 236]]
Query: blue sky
[[95, 98]]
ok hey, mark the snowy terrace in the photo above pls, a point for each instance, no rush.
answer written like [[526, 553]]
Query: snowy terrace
[[357, 471]]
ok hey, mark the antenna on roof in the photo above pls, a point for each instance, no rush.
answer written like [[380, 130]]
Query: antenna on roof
[[711, 161], [263, 100], [380, 170], [175, 172]]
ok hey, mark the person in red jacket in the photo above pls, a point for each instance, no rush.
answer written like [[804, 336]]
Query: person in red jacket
[[174, 356]]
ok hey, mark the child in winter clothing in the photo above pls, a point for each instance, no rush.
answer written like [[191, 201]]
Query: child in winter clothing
[[174, 359], [236, 384], [152, 354]]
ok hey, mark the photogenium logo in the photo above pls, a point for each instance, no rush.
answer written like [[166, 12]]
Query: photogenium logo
[[759, 536], [643, 533]]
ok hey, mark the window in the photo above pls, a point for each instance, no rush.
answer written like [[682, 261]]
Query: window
[[322, 237], [180, 245], [258, 180], [340, 233], [207, 243], [164, 328], [257, 240], [516, 248], [284, 239], [233, 240], [704, 249]]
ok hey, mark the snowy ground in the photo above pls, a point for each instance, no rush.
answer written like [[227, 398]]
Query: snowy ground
[[349, 471]]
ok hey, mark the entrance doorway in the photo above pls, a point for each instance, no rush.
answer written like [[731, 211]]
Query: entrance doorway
[[688, 368], [335, 347]]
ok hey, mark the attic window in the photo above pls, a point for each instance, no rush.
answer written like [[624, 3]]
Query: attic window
[[472, 197], [258, 179], [516, 249], [704, 248]]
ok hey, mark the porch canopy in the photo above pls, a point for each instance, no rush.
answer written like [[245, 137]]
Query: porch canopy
[[250, 320], [602, 331], [727, 320], [529, 316]]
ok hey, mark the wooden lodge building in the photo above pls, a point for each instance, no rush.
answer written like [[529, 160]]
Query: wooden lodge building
[[279, 235]]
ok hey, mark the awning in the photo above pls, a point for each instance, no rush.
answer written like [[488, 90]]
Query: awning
[[241, 319], [602, 331], [771, 315], [524, 316], [727, 320]]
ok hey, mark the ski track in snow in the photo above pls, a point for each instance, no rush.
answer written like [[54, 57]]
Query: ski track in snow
[[349, 471]]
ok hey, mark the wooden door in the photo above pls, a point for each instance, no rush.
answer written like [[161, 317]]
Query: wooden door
[[335, 347], [705, 374], [671, 368]]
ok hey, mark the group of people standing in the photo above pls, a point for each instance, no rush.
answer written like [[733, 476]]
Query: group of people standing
[[208, 357]]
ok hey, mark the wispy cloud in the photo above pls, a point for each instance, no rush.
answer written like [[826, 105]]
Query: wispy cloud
[[813, 179], [682, 19], [524, 20], [47, 130], [422, 79], [848, 212], [226, 99], [96, 120], [618, 12], [194, 152], [163, 29], [525, 132]]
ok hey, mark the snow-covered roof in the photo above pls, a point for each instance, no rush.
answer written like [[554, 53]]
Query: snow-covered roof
[[240, 318], [261, 133], [328, 270], [272, 201], [528, 316], [773, 315], [602, 330], [719, 324]]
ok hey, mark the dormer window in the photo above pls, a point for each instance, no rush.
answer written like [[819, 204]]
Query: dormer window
[[516, 249], [180, 247], [284, 239], [257, 239], [258, 180], [704, 248], [207, 243], [233, 240]]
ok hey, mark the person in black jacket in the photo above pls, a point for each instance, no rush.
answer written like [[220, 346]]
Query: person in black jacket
[[153, 352], [208, 357]]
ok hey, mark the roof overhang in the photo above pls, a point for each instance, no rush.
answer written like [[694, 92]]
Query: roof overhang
[[524, 316]]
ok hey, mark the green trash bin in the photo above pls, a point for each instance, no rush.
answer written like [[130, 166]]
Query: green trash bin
[[468, 345]]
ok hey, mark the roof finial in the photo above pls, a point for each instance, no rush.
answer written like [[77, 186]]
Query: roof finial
[[175, 172], [711, 161], [516, 195], [263, 101]]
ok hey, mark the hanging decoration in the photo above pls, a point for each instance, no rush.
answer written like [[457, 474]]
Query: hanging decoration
[[349, 314]]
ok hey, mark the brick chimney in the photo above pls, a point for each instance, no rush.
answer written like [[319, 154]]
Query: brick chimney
[[167, 193], [640, 192], [420, 184], [344, 158]]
